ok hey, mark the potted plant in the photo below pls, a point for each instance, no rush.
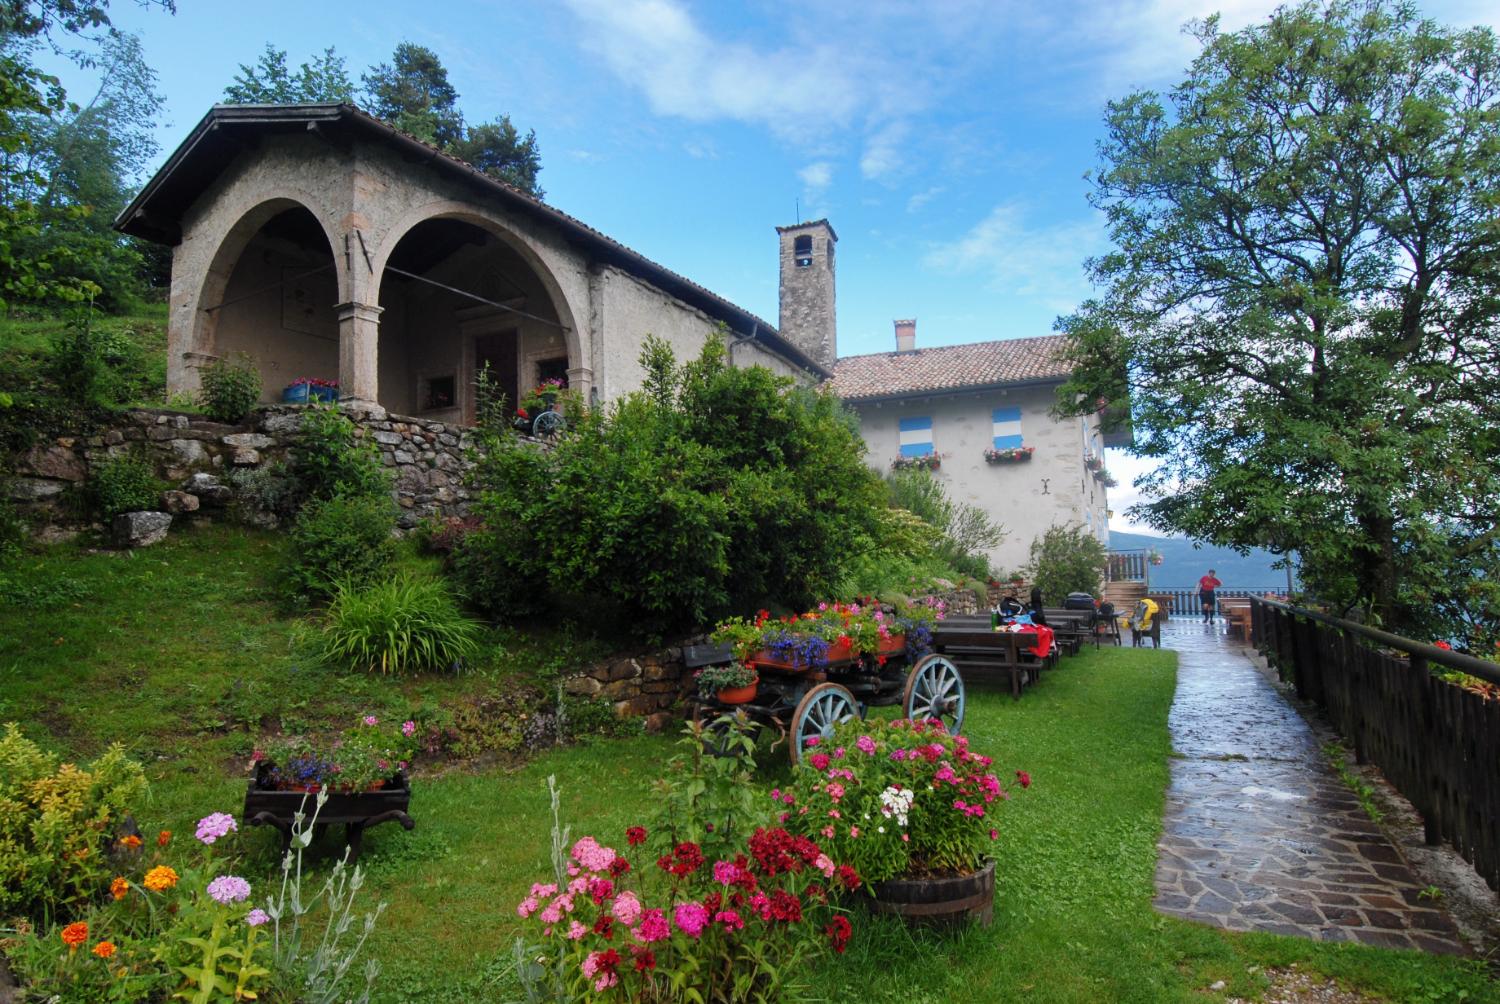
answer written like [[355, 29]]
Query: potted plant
[[305, 389], [734, 683], [832, 633], [926, 462], [911, 808]]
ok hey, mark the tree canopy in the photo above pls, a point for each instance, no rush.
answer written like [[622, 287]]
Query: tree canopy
[[1302, 305], [270, 82]]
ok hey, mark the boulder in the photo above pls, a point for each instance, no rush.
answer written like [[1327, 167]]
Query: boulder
[[141, 529], [179, 502], [55, 462], [188, 452], [210, 491], [283, 425], [34, 489], [583, 686], [248, 441], [245, 457]]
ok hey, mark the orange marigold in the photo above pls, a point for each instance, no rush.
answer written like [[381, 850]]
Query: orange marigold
[[163, 838], [160, 879], [119, 887], [130, 842], [104, 949], [75, 934]]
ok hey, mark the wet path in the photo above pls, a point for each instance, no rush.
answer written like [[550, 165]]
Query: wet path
[[1260, 834]]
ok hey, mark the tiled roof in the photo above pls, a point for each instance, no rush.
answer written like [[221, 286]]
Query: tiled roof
[[950, 368]]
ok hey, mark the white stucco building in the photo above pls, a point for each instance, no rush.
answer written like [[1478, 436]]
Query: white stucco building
[[955, 402]]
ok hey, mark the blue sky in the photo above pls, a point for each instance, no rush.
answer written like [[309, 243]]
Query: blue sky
[[946, 140]]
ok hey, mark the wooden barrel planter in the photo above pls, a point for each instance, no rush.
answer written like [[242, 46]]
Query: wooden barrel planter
[[266, 805], [939, 901]]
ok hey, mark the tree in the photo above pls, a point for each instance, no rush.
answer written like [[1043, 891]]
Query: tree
[[269, 82], [412, 93], [497, 149], [1303, 302], [1067, 559]]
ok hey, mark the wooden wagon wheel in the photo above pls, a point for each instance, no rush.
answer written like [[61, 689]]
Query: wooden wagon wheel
[[935, 689], [820, 709], [548, 423]]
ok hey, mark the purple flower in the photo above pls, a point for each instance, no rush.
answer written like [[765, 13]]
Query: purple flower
[[228, 889], [212, 827], [256, 917]]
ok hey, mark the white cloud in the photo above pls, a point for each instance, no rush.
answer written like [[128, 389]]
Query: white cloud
[[817, 176], [885, 153], [920, 199], [657, 46], [1042, 263]]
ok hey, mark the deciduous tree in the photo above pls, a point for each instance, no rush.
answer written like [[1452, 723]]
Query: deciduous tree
[[1302, 305]]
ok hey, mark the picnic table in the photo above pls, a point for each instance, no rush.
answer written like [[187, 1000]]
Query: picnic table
[[980, 651]]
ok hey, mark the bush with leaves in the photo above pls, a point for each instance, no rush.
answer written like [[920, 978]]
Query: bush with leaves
[[344, 540], [57, 821], [965, 531], [1067, 559], [231, 387], [332, 459], [713, 489], [123, 483], [400, 625]]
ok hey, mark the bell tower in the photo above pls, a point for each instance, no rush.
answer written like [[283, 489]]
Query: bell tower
[[808, 316]]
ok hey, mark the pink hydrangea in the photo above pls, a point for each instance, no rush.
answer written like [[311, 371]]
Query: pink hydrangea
[[824, 864], [527, 907], [653, 927], [590, 855], [538, 889], [627, 909], [576, 931], [690, 918], [835, 790]]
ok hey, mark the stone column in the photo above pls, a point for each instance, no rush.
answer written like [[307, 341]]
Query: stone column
[[359, 352], [581, 379]]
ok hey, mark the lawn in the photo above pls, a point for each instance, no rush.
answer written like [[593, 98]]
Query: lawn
[[179, 652]]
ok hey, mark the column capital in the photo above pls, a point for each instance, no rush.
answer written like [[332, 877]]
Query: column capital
[[361, 311]]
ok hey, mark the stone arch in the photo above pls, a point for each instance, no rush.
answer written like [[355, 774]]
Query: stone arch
[[230, 249], [502, 230]]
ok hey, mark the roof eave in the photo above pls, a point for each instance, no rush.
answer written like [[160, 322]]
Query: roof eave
[[950, 391]]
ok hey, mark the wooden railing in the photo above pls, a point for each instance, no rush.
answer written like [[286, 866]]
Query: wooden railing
[[1185, 602], [1437, 742], [1128, 565]]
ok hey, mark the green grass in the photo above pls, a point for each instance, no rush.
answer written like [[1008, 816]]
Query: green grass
[[178, 652]]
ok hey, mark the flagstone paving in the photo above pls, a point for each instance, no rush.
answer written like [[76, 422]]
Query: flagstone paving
[[1260, 834]]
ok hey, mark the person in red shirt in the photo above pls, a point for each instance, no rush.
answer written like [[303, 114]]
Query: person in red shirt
[[1206, 587]]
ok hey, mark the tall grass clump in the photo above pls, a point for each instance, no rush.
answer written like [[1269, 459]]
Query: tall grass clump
[[404, 624]]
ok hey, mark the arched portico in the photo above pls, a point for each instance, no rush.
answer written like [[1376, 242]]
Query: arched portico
[[269, 292], [456, 289]]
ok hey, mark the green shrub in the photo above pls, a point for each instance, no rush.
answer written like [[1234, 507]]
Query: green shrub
[[230, 389], [404, 624], [123, 483], [345, 539], [966, 531], [1067, 559], [331, 460], [712, 490], [56, 825], [13, 529], [268, 488]]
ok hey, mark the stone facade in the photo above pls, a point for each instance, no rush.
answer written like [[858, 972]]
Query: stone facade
[[809, 315], [651, 685], [193, 454]]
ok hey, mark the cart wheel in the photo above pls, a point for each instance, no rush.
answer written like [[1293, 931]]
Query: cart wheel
[[934, 689], [549, 423], [820, 709]]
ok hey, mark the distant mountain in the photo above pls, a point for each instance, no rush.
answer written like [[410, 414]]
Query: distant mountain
[[1184, 562]]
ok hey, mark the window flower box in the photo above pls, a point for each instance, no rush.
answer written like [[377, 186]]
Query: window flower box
[[1012, 455], [306, 389], [926, 462]]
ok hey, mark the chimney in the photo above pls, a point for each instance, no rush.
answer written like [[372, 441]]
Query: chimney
[[906, 336]]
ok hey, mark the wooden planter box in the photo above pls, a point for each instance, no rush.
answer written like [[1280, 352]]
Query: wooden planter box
[[356, 810]]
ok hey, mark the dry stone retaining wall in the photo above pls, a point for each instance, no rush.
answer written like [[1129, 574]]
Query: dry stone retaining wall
[[428, 460]]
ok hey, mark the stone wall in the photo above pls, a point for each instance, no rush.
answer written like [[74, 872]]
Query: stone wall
[[427, 458], [652, 685]]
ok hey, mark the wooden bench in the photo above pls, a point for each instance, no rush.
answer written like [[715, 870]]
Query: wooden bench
[[980, 652], [1236, 613]]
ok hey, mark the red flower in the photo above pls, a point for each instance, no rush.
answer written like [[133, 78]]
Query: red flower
[[785, 907], [1024, 778], [838, 930], [635, 835], [1442, 645], [601, 889], [604, 926], [712, 902], [685, 859], [522, 413], [849, 877], [619, 866], [644, 958]]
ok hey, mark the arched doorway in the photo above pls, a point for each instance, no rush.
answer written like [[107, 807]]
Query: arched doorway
[[455, 297], [270, 294]]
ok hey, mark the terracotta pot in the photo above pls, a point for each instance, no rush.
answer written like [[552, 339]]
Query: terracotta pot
[[840, 651], [894, 645], [739, 695]]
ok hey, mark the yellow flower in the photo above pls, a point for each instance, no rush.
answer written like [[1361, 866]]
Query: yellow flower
[[119, 887], [160, 879]]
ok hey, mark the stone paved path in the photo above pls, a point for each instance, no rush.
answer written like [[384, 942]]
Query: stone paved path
[[1260, 834]]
